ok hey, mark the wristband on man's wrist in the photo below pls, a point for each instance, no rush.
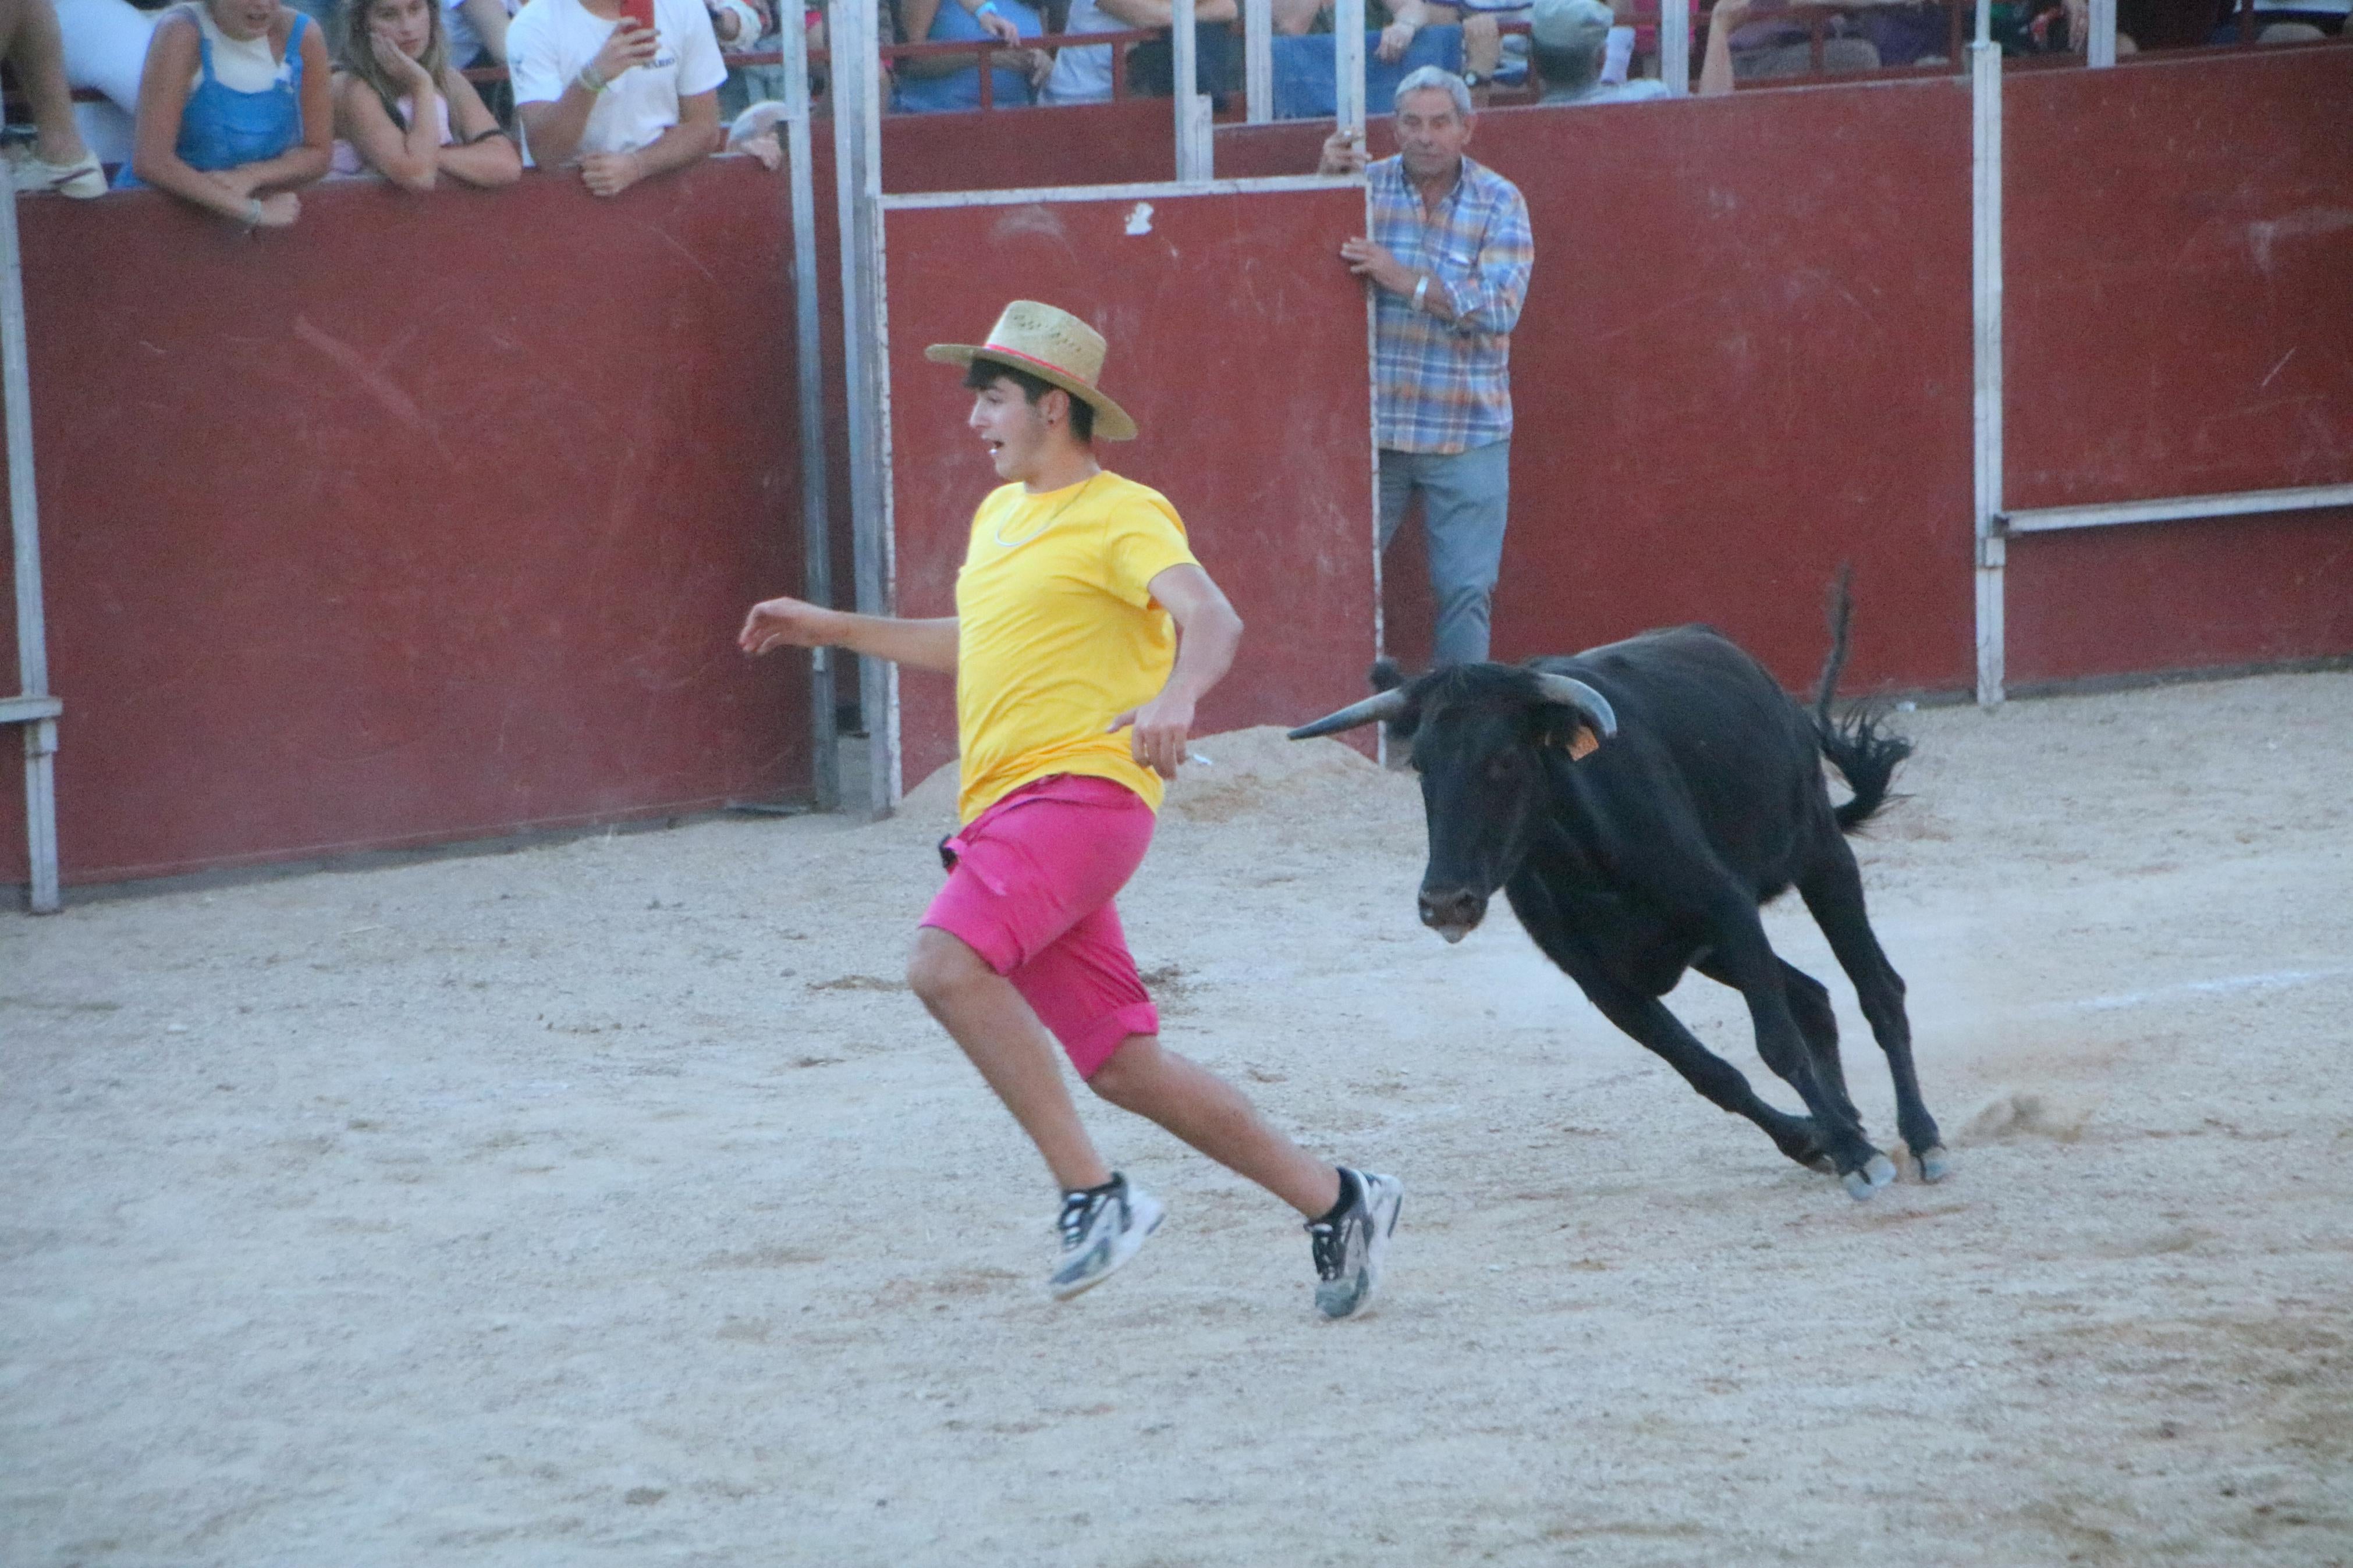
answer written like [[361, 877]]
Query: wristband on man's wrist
[[591, 81], [253, 212], [1419, 291], [985, 7]]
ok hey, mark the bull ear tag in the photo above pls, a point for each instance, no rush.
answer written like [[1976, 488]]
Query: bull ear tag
[[1582, 743]]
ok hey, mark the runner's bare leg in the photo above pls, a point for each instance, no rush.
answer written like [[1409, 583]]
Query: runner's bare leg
[[1004, 1039], [1215, 1118]]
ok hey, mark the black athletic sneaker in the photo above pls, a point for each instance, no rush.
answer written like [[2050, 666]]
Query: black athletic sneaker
[[1348, 1251], [1102, 1228]]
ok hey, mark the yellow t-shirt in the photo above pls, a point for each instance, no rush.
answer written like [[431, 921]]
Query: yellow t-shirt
[[1056, 634]]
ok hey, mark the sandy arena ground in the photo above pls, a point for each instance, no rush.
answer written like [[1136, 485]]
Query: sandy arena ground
[[612, 1202]]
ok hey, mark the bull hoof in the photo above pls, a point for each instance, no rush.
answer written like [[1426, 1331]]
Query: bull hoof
[[1875, 1173], [1935, 1162], [1805, 1145]]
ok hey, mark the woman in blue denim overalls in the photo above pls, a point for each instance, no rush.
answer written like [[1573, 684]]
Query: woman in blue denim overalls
[[234, 110]]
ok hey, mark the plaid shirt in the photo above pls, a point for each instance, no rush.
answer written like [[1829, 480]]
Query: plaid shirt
[[1444, 386]]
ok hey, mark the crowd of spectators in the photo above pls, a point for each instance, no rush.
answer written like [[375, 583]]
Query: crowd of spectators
[[235, 105]]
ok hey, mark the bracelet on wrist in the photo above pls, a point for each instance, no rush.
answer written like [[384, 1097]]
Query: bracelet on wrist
[[985, 7], [591, 81], [1420, 292], [253, 212]]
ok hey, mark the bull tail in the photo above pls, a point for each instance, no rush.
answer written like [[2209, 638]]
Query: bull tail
[[1866, 755]]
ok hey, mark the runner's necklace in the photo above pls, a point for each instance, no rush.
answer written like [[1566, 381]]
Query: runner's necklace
[[1051, 517]]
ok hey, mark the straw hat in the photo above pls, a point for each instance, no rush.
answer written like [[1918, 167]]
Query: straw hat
[[1052, 345]]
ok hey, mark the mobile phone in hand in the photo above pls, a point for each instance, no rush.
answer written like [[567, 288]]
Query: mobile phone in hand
[[640, 12]]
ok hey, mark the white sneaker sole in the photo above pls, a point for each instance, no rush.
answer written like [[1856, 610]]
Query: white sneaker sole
[[1147, 1213]]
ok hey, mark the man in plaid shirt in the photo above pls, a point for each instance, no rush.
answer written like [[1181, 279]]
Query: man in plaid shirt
[[1449, 256]]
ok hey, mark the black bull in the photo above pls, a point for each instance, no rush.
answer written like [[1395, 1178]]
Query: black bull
[[1638, 803]]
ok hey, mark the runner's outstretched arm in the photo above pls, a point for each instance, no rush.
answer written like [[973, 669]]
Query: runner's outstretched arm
[[795, 623], [1209, 633]]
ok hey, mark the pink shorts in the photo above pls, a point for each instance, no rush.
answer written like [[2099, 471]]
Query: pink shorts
[[1031, 892]]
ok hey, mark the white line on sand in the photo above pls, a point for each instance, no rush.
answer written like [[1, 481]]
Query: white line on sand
[[2279, 980]]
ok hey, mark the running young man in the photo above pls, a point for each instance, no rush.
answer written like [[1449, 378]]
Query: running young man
[[1062, 638]]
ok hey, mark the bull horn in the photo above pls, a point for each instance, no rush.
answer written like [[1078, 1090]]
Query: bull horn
[[1386, 705], [1575, 694]]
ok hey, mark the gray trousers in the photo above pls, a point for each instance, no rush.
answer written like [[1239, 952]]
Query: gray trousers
[[1464, 499]]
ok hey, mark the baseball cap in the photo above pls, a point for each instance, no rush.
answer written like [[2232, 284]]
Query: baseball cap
[[1576, 25]]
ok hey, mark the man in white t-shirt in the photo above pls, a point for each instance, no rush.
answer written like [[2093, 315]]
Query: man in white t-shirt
[[626, 102]]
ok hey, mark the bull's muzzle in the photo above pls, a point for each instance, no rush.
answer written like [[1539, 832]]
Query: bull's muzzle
[[1452, 912]]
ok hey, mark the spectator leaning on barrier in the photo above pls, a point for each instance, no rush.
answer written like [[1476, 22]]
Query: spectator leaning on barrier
[[404, 110], [1397, 21], [928, 83], [1568, 40], [235, 109], [35, 51], [1082, 75], [1774, 45], [1449, 256], [628, 102]]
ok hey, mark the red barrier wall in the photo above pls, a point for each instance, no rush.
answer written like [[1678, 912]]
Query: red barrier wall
[[1125, 143], [1242, 358], [2179, 311], [2179, 321], [426, 519], [430, 517]]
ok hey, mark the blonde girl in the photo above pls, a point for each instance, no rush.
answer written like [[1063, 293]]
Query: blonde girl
[[404, 110]]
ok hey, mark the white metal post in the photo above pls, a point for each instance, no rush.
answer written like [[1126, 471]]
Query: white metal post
[[1674, 46], [1348, 66], [34, 708], [1192, 108], [856, 36], [1985, 278], [817, 539], [1258, 60], [2099, 44]]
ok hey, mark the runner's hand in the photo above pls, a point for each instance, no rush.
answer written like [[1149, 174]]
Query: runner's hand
[[1156, 733], [784, 623]]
